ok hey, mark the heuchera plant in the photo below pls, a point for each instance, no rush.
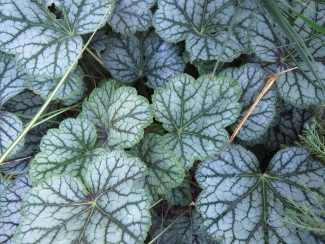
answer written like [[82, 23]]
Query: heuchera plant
[[112, 113]]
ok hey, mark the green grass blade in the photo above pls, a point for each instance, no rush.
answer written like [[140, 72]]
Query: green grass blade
[[308, 21], [270, 7], [231, 27], [319, 1]]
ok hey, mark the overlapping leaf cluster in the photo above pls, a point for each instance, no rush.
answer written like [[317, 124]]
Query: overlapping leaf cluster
[[94, 177]]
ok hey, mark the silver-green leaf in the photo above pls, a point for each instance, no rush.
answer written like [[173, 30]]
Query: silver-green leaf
[[66, 150], [107, 208], [26, 105], [10, 201], [10, 128], [75, 98], [143, 55], [195, 113], [44, 86], [186, 230], [119, 114], [189, 230], [299, 87], [201, 24], [240, 204], [99, 41], [181, 195], [164, 170], [250, 78], [131, 16], [42, 44], [286, 127], [3, 184], [12, 81], [18, 164]]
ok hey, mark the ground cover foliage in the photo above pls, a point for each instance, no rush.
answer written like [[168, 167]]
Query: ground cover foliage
[[115, 119]]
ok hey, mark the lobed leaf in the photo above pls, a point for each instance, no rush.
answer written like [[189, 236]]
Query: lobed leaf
[[205, 67], [108, 208], [25, 105], [299, 87], [143, 55], [164, 170], [240, 204], [283, 20], [10, 201], [250, 78], [131, 16], [286, 127], [195, 113], [295, 87], [55, 43], [99, 41], [181, 195], [119, 114], [75, 98], [186, 230], [202, 24], [10, 128], [67, 150], [44, 86], [189, 230], [12, 81]]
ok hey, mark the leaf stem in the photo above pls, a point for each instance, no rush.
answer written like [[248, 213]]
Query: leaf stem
[[96, 57], [194, 183], [161, 233], [156, 203], [30, 117]]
